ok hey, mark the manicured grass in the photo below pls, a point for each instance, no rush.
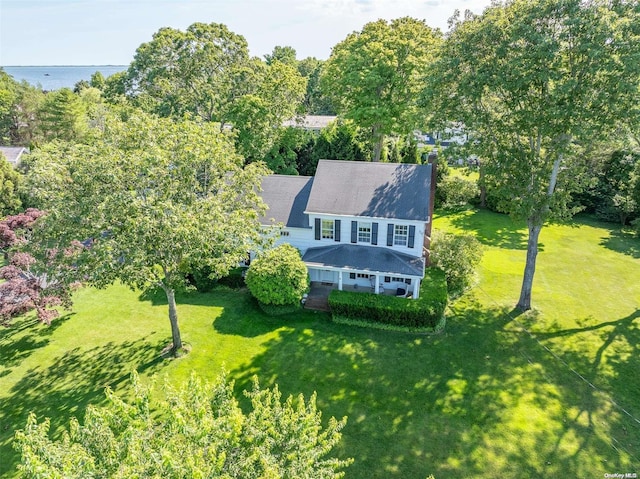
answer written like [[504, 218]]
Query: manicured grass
[[483, 399]]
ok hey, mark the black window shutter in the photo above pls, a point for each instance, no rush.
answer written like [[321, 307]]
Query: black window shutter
[[374, 233], [390, 235], [318, 231], [354, 231], [412, 236], [336, 230]]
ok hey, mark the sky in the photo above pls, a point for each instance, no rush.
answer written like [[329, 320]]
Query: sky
[[107, 32]]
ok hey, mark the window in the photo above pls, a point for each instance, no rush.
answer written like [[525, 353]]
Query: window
[[284, 233], [364, 232], [327, 229], [400, 235], [352, 276], [360, 275]]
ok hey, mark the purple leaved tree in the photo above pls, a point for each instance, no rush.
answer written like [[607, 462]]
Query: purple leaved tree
[[30, 283]]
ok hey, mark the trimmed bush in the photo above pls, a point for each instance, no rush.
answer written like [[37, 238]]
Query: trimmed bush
[[424, 312], [278, 277]]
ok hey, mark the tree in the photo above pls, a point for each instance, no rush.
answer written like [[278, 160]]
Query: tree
[[62, 116], [286, 55], [278, 276], [315, 101], [340, 140], [31, 281], [206, 72], [535, 81], [457, 256], [201, 71], [198, 431], [374, 77], [10, 181], [257, 117], [19, 103], [153, 197]]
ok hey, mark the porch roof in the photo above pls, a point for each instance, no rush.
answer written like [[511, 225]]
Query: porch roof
[[364, 258]]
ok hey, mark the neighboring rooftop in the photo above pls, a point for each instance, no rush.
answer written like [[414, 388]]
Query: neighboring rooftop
[[377, 190], [286, 197], [13, 153], [310, 122]]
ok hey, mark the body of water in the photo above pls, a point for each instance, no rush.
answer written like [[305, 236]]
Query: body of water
[[56, 77]]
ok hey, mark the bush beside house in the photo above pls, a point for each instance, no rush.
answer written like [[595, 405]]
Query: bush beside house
[[278, 279], [425, 312], [457, 255]]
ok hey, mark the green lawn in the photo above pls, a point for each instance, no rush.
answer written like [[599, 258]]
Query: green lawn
[[496, 395]]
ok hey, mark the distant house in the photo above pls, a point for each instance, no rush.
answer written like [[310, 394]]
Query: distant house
[[313, 123], [13, 153], [358, 224]]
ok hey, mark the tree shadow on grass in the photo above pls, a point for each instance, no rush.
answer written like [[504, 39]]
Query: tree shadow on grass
[[610, 373], [493, 229], [20, 339], [75, 379], [458, 404], [620, 241]]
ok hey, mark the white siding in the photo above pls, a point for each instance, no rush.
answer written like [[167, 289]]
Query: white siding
[[345, 232]]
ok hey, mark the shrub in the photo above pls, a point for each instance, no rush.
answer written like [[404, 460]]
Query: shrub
[[424, 312], [457, 192], [457, 256], [278, 277]]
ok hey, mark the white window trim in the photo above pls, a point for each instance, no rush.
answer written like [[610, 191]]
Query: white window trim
[[324, 227], [400, 239], [364, 228]]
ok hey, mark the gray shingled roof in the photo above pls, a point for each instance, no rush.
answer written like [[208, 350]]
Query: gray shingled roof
[[13, 153], [286, 197], [379, 190], [365, 258], [310, 122]]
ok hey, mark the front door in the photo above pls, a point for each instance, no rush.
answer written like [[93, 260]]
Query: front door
[[328, 276]]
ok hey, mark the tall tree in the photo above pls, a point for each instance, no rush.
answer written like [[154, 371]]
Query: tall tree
[[286, 55], [154, 197], [200, 71], [375, 76], [534, 81], [198, 431], [206, 71], [315, 102]]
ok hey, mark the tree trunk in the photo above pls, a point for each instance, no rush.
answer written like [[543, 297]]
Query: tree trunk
[[378, 139], [483, 188], [524, 303], [173, 319], [535, 222]]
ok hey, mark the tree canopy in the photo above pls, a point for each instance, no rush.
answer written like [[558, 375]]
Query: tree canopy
[[151, 198], [375, 76], [198, 431], [535, 81]]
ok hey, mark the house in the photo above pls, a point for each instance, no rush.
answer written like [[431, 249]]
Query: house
[[357, 224], [13, 153], [313, 123]]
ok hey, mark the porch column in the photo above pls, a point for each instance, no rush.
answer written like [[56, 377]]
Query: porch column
[[416, 288], [339, 280], [377, 285]]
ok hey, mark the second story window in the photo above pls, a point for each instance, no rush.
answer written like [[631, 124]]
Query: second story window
[[400, 235], [364, 232], [327, 229]]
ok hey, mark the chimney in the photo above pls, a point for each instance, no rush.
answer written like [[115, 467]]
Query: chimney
[[432, 159]]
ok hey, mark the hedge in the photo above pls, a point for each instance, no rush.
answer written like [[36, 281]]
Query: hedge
[[426, 311]]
